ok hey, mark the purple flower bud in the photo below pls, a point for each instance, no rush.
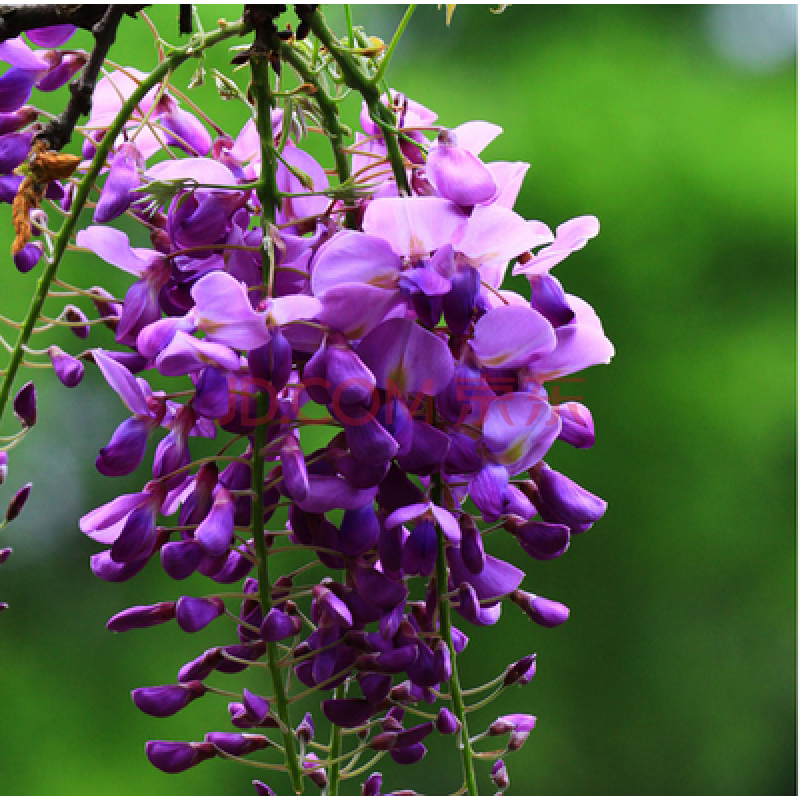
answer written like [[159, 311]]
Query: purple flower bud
[[78, 321], [201, 667], [27, 258], [500, 775], [372, 785], [518, 725], [175, 757], [194, 613], [559, 499], [3, 466], [256, 706], [348, 712], [540, 540], [279, 625], [181, 559], [17, 502], [3, 606], [216, 530], [472, 553], [457, 174], [408, 755], [164, 701], [68, 369], [106, 307], [293, 467], [305, 730], [317, 776], [521, 671], [66, 65], [446, 721], [141, 617], [262, 789], [5, 552], [14, 149], [383, 741], [548, 613], [237, 744], [25, 405], [441, 662]]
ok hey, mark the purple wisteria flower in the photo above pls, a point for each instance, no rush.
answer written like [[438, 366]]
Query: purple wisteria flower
[[273, 307]]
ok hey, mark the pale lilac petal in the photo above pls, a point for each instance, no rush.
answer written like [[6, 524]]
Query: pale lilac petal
[[114, 247], [121, 380], [579, 345], [476, 135], [413, 226], [494, 235], [458, 174], [16, 53], [284, 310], [355, 309], [185, 354], [313, 204], [203, 170], [510, 336], [570, 236], [354, 257], [508, 175], [224, 312], [519, 429], [111, 513], [406, 357]]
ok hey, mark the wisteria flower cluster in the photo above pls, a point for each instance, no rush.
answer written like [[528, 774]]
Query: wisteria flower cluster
[[291, 300]]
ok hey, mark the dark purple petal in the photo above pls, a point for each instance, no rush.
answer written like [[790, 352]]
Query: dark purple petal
[[237, 744], [141, 617], [15, 88], [25, 405], [126, 449], [181, 559], [27, 258], [372, 785], [194, 613], [446, 722], [548, 613], [262, 790], [408, 755], [542, 540], [215, 533], [278, 625], [68, 369], [559, 499], [349, 712], [164, 701], [51, 36], [173, 757], [17, 502], [577, 426], [499, 775]]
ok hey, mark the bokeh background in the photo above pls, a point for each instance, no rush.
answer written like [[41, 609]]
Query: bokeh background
[[676, 673]]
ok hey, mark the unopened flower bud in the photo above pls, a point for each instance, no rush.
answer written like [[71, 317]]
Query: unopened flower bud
[[3, 466], [500, 775], [194, 613], [17, 502], [141, 617], [237, 744], [68, 369], [262, 790], [77, 320], [164, 701], [372, 785], [175, 757], [305, 730], [544, 612], [317, 776], [446, 721], [25, 405]]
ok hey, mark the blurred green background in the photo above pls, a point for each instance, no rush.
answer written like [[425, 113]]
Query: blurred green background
[[676, 673]]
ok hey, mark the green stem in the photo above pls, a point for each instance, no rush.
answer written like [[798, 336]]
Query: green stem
[[335, 748], [268, 196], [81, 195], [393, 44], [355, 78], [445, 631], [327, 106]]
